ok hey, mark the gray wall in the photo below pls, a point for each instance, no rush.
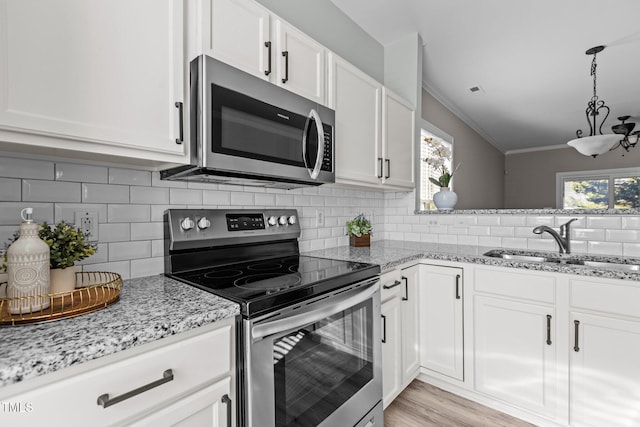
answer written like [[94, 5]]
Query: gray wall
[[531, 177], [329, 26], [479, 182]]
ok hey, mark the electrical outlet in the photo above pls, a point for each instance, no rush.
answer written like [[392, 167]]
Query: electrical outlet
[[87, 222], [319, 218]]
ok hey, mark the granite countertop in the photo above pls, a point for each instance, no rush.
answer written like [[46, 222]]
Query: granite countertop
[[149, 309], [392, 253]]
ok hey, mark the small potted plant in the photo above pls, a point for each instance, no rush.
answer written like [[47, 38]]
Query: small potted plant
[[441, 156], [67, 246], [359, 231]]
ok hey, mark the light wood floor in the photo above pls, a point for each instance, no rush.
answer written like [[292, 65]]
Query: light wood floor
[[423, 405]]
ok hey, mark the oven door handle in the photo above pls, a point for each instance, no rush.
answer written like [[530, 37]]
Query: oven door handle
[[312, 315], [313, 114]]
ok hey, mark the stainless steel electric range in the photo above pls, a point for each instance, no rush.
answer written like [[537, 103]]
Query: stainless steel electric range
[[309, 349]]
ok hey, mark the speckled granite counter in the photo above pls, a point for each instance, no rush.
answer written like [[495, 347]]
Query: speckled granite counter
[[150, 308], [391, 253]]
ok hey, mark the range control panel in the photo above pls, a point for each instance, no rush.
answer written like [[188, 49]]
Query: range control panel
[[196, 228]]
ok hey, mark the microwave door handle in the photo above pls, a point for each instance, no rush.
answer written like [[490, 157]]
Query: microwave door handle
[[313, 114]]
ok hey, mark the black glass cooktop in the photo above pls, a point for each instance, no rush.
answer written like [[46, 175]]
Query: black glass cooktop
[[266, 285]]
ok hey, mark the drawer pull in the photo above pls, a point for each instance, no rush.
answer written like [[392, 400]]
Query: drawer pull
[[576, 324], [227, 401], [105, 401], [406, 289], [393, 285], [548, 329], [268, 70], [384, 328], [457, 286]]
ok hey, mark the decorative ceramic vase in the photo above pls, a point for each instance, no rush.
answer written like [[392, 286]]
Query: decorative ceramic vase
[[62, 279], [28, 269], [445, 199], [364, 240]]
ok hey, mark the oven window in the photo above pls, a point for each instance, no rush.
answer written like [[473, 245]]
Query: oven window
[[247, 127], [319, 367]]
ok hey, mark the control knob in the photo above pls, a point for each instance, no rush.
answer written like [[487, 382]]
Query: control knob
[[204, 223], [292, 219], [282, 220], [272, 221], [187, 224]]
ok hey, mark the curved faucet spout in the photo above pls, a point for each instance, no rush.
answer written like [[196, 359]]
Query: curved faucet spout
[[542, 228], [563, 238]]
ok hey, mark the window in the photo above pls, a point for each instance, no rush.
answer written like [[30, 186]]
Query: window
[[600, 189], [426, 188]]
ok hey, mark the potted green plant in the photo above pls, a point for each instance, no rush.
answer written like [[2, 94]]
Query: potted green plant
[[359, 231], [67, 244]]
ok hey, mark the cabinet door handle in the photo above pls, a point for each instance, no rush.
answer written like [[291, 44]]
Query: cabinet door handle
[[384, 328], [406, 289], [227, 401], [180, 139], [286, 66], [576, 325], [457, 286], [268, 46], [548, 329], [388, 162], [393, 285], [105, 401], [380, 160]]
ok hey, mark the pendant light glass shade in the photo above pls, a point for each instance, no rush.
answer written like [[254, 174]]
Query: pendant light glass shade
[[594, 145]]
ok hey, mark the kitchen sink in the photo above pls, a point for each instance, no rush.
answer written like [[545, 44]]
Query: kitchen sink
[[585, 260]]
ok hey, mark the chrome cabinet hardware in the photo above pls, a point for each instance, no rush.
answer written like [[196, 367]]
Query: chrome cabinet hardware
[[180, 139], [105, 401], [268, 70], [393, 285], [286, 66]]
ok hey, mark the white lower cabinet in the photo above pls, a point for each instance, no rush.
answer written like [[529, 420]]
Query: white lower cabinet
[[441, 320], [391, 350], [410, 306], [180, 381], [515, 353]]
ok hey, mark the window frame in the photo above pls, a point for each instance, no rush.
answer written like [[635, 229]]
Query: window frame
[[610, 174], [424, 125]]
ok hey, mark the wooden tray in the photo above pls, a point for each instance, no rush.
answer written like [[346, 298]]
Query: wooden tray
[[94, 290]]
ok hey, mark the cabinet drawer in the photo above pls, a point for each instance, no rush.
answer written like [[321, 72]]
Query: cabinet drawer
[[609, 297], [391, 284], [193, 362], [524, 285]]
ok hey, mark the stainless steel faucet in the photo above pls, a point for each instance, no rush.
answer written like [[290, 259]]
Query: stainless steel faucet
[[563, 238]]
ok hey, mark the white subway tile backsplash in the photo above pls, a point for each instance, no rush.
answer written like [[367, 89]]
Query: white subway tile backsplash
[[241, 199], [579, 220], [157, 248], [147, 231], [447, 239], [128, 213], [625, 236], [513, 220], [604, 222], [265, 199], [631, 250], [488, 220], [105, 193], [10, 212], [479, 230], [468, 240], [157, 211], [534, 221], [129, 177], [149, 195], [67, 211], [121, 251], [10, 189], [147, 267], [50, 191], [101, 255], [6, 234], [631, 222], [121, 267], [514, 242], [185, 196], [81, 173], [157, 182], [216, 197], [542, 245], [26, 169], [587, 233], [605, 248], [118, 232], [490, 242], [502, 231]]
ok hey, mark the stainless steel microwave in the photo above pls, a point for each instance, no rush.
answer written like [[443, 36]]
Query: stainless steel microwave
[[248, 131]]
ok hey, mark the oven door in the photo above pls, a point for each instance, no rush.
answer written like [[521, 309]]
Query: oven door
[[317, 364]]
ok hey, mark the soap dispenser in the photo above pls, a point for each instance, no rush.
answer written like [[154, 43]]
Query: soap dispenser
[[28, 269]]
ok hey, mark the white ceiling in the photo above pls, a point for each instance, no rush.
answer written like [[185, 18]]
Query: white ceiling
[[528, 56]]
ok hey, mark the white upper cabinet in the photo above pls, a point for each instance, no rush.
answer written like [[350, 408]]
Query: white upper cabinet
[[101, 78], [374, 130], [247, 36], [356, 97], [398, 141]]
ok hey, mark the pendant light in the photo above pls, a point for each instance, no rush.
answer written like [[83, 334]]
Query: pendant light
[[598, 143]]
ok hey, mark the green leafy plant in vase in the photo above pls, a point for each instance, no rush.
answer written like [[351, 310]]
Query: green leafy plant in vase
[[359, 231]]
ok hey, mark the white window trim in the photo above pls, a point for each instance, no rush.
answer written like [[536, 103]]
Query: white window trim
[[425, 125], [591, 174]]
